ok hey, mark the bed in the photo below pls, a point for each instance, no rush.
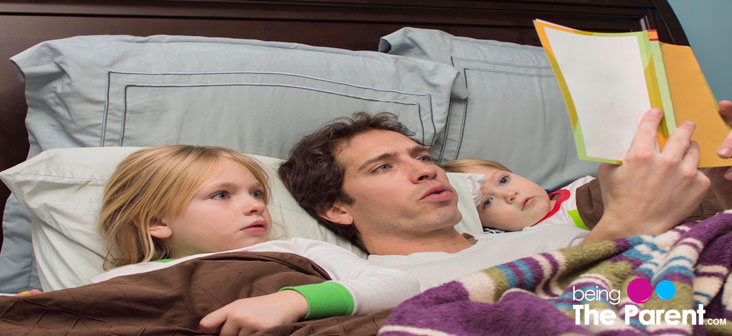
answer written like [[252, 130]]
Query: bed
[[117, 77]]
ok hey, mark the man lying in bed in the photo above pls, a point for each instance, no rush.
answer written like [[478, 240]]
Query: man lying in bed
[[367, 181]]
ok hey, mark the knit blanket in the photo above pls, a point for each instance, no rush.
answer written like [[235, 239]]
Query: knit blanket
[[674, 283]]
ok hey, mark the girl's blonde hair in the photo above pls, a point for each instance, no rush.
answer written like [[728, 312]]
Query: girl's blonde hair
[[157, 182], [459, 166]]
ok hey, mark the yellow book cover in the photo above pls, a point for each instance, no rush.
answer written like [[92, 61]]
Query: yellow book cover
[[610, 79]]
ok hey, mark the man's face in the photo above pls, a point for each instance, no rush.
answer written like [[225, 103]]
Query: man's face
[[397, 189]]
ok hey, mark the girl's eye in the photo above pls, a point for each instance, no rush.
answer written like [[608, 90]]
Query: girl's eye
[[487, 203], [504, 180], [257, 193], [220, 195]]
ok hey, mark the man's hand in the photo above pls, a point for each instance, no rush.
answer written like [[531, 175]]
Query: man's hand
[[725, 150], [257, 313], [652, 191], [721, 177]]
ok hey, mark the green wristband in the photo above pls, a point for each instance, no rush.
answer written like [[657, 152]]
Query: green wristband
[[325, 299]]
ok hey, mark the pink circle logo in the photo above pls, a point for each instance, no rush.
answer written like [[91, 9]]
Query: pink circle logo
[[639, 290]]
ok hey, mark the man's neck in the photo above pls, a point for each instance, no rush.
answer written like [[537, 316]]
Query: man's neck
[[449, 243]]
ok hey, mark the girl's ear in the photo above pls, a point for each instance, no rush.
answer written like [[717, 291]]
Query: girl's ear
[[159, 228], [337, 213]]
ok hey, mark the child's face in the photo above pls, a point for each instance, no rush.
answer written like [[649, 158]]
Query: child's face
[[510, 202], [227, 212]]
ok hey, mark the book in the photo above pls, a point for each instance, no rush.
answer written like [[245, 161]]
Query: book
[[609, 80]]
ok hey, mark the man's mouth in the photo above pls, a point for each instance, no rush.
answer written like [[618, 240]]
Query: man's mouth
[[437, 193]]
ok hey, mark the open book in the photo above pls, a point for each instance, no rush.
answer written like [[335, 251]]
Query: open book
[[610, 79]]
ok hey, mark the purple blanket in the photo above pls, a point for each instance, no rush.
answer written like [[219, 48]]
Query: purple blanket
[[675, 283]]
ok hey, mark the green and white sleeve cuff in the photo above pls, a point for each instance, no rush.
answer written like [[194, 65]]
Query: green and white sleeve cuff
[[325, 299]]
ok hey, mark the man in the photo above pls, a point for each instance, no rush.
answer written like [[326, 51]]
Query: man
[[366, 180]]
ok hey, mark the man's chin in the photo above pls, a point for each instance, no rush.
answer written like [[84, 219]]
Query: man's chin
[[449, 216]]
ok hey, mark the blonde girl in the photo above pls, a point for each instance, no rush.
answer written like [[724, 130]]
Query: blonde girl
[[179, 201], [157, 183]]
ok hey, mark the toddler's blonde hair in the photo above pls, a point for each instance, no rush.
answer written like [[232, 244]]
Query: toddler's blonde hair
[[458, 166]]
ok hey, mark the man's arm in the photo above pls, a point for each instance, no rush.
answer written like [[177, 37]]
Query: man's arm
[[652, 191]]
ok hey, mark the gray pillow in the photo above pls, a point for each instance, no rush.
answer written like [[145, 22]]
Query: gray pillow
[[253, 96], [514, 112]]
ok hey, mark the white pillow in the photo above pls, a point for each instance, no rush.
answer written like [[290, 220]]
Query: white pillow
[[63, 188]]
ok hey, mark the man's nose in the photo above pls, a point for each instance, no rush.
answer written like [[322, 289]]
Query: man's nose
[[424, 171]]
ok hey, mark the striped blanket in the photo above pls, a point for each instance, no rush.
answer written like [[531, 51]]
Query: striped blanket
[[607, 288]]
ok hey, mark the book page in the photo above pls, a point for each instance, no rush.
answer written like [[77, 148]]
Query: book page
[[605, 79]]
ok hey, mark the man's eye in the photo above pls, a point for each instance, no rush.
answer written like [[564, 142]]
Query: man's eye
[[426, 158], [381, 167]]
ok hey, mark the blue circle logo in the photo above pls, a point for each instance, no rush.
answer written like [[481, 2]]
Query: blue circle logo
[[665, 290]]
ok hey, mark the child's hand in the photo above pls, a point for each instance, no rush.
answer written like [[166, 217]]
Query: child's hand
[[29, 293], [256, 313]]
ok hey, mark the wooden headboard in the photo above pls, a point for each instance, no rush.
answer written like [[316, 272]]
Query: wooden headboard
[[349, 24]]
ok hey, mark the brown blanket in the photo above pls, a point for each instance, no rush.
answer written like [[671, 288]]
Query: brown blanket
[[171, 301]]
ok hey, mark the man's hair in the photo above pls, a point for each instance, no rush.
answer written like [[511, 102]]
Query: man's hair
[[157, 182], [313, 176], [458, 166]]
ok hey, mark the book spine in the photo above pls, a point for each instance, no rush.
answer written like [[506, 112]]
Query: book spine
[[662, 97]]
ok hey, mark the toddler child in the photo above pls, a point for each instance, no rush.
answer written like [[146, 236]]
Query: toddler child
[[510, 202]]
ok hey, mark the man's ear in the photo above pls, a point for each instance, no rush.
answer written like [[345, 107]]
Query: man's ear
[[337, 213], [159, 228]]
